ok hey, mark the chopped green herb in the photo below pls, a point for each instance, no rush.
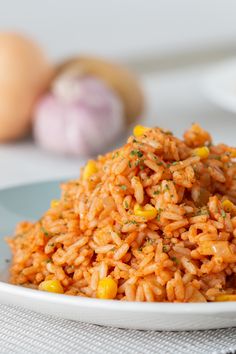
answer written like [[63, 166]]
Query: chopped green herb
[[150, 241], [126, 205], [159, 163], [166, 187], [137, 162], [159, 214], [46, 233], [223, 213], [156, 192], [202, 211], [175, 260], [168, 165], [123, 187], [131, 222], [116, 154], [130, 164], [136, 153], [165, 248], [140, 154], [175, 163], [48, 261]]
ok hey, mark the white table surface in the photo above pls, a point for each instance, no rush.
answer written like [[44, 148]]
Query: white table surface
[[175, 100]]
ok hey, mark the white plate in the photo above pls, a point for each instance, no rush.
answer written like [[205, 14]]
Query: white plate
[[28, 202], [220, 85]]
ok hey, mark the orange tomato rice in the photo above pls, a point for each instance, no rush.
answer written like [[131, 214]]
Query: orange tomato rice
[[152, 221]]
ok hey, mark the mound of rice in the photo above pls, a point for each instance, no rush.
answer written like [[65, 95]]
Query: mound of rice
[[156, 217]]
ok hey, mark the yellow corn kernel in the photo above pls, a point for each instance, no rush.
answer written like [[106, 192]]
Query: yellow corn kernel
[[232, 152], [139, 130], [227, 205], [148, 211], [202, 152], [52, 286], [107, 288], [54, 203], [89, 169], [226, 297]]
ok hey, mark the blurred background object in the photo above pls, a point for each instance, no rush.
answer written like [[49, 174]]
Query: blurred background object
[[24, 75], [171, 45], [220, 85], [134, 30], [89, 104]]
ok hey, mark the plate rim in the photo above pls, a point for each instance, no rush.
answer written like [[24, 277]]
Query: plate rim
[[215, 308], [29, 184]]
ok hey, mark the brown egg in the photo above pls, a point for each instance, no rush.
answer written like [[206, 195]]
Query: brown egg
[[24, 74]]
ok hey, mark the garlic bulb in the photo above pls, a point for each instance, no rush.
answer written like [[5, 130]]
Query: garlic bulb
[[80, 116]]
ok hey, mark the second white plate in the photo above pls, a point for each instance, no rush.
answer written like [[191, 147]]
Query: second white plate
[[220, 85]]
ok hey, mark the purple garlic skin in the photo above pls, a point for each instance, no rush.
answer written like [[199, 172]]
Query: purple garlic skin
[[80, 116]]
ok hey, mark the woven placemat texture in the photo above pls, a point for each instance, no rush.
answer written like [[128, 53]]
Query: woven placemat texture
[[23, 331]]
